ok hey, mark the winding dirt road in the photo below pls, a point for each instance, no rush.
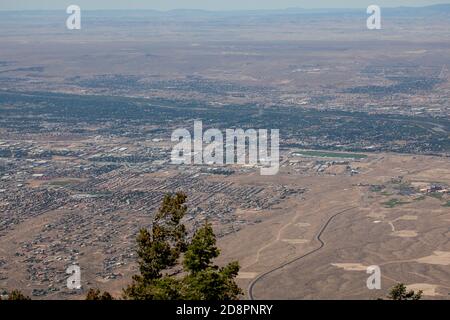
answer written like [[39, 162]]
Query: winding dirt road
[[317, 237]]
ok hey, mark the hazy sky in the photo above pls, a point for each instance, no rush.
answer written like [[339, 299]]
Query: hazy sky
[[205, 4]]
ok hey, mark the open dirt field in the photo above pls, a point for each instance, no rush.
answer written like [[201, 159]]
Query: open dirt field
[[359, 226]]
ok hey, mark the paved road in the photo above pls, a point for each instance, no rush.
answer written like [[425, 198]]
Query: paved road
[[322, 244]]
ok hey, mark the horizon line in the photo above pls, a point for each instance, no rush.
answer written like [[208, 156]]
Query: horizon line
[[229, 10]]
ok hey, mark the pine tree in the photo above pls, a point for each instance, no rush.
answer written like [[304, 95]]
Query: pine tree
[[162, 249], [158, 251], [95, 294], [202, 250], [17, 295], [205, 280], [399, 292]]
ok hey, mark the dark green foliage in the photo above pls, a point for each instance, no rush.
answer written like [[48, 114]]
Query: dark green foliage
[[399, 292], [201, 250], [393, 203], [164, 288], [436, 195], [212, 283], [162, 249], [159, 250], [95, 294], [206, 281], [154, 255], [17, 295]]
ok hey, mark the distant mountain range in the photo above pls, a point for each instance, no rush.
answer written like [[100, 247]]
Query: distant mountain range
[[438, 9], [434, 9]]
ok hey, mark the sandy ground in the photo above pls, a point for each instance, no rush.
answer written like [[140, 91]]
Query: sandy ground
[[410, 242]]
